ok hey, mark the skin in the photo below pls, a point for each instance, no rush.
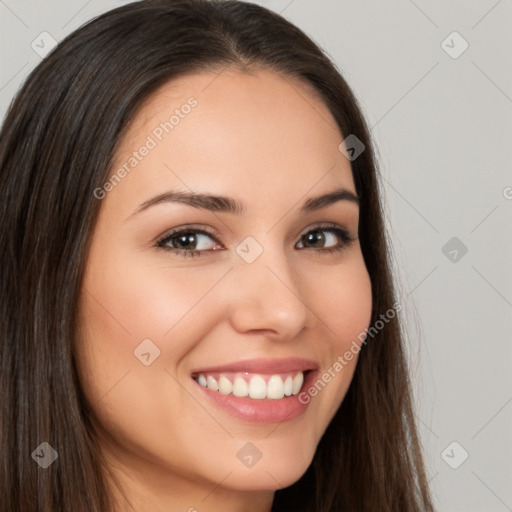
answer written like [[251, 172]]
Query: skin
[[271, 144]]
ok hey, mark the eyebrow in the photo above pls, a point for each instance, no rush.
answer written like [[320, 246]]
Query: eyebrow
[[225, 204]]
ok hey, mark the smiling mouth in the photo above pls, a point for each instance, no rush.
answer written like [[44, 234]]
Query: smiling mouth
[[254, 386]]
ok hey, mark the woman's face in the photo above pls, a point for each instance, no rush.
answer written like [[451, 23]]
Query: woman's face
[[252, 302]]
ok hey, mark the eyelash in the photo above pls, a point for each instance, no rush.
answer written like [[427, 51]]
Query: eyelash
[[342, 233]]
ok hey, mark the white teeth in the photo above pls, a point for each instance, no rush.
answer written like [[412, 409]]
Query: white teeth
[[212, 383], [225, 386], [202, 380], [275, 387], [288, 386], [257, 388], [240, 387], [297, 383]]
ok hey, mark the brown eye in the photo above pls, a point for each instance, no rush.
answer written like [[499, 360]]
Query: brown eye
[[324, 238], [188, 242]]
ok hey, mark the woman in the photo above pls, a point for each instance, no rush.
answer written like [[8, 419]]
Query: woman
[[198, 312]]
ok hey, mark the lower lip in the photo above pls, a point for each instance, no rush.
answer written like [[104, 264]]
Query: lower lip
[[264, 410]]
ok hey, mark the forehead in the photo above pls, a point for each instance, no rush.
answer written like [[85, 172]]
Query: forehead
[[257, 87], [237, 132]]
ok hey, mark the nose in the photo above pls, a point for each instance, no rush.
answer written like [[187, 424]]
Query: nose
[[267, 296]]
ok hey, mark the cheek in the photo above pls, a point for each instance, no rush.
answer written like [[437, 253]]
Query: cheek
[[126, 302], [341, 298], [354, 308], [129, 300], [342, 301]]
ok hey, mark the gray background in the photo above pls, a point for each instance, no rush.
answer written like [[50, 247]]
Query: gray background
[[443, 130]]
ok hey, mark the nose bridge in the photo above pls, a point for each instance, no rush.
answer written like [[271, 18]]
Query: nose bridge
[[267, 295]]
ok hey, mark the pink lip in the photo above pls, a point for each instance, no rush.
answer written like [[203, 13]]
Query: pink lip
[[263, 366]]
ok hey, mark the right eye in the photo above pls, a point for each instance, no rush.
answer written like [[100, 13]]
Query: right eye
[[187, 242]]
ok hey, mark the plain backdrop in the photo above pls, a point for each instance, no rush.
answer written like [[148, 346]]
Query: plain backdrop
[[434, 79]]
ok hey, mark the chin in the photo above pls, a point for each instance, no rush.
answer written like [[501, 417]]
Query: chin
[[277, 470], [264, 479]]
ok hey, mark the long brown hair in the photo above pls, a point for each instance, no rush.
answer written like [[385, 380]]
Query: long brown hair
[[56, 147]]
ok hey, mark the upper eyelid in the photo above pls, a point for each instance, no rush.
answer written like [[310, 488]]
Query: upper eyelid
[[186, 229]]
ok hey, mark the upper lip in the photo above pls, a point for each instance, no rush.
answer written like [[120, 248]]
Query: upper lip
[[264, 366]]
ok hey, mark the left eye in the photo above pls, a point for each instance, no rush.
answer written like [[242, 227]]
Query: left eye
[[316, 236]]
